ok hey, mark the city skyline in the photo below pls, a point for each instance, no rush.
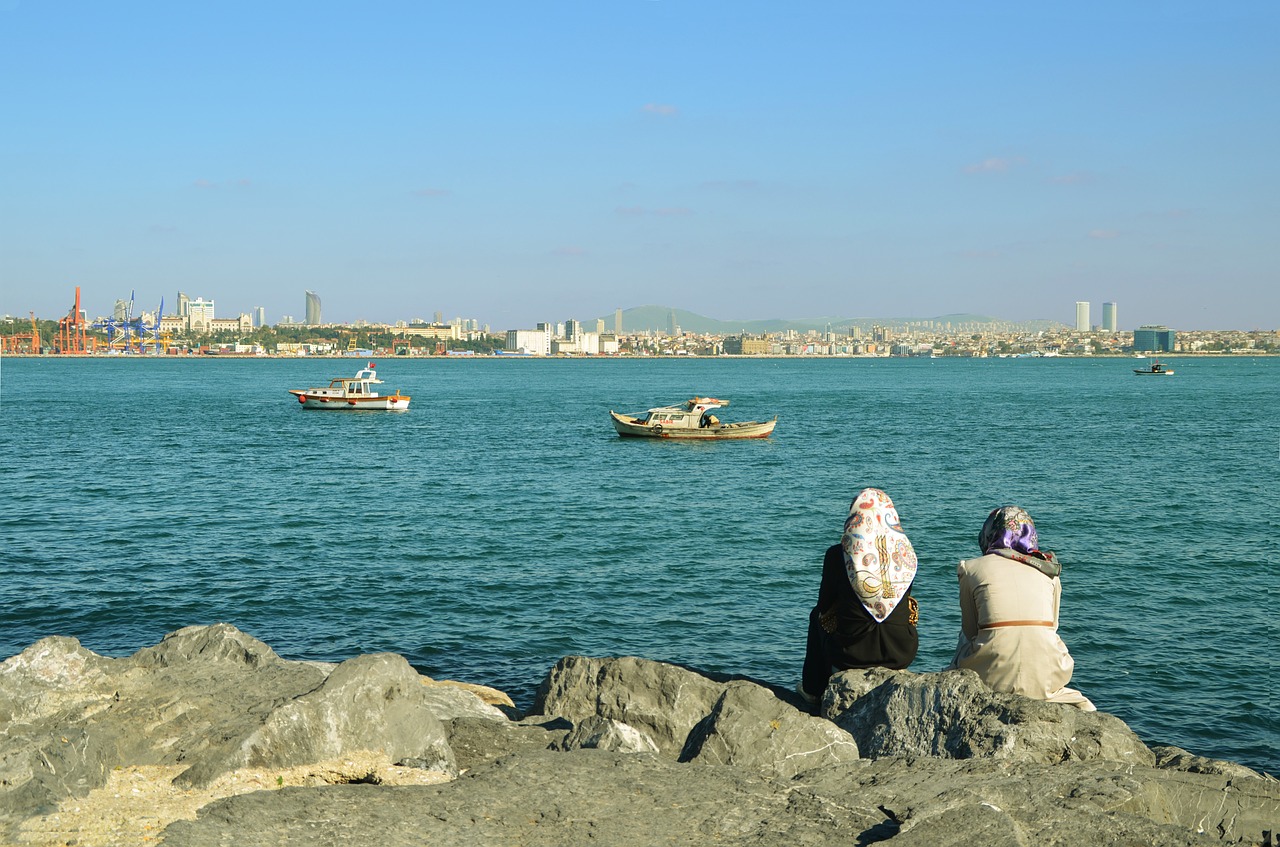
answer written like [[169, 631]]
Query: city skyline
[[743, 160]]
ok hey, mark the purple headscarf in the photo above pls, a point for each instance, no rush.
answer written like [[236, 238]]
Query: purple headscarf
[[1009, 531]]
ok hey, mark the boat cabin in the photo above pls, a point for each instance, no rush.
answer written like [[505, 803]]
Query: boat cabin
[[696, 413]]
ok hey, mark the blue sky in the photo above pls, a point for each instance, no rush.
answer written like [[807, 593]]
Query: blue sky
[[516, 162]]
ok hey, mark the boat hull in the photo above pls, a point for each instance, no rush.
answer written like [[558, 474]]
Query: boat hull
[[629, 427], [1144, 372], [319, 402]]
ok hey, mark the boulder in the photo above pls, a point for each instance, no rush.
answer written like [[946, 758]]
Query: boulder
[[954, 715], [204, 697], [540, 798], [750, 727], [663, 701], [373, 703]]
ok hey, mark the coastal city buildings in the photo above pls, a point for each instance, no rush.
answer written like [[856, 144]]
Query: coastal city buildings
[[1082, 316]]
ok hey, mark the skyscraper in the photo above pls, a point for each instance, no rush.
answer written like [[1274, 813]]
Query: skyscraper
[[1082, 316], [617, 321], [313, 309], [1109, 317], [259, 316]]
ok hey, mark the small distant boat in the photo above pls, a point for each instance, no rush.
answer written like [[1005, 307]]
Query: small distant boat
[[1154, 369], [352, 393], [693, 419]]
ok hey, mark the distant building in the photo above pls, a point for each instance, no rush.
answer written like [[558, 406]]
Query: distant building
[[1154, 338], [673, 329], [572, 330], [199, 315], [183, 300], [535, 342], [599, 326], [1109, 317], [617, 322], [1082, 316], [313, 309], [259, 316], [741, 345]]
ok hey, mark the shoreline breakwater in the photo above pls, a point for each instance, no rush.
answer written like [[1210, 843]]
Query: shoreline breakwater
[[209, 737]]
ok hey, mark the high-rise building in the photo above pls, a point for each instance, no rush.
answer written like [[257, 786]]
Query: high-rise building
[[183, 300], [199, 315], [673, 329], [1109, 317], [617, 321], [572, 329], [313, 309], [1082, 316], [259, 316], [1153, 338]]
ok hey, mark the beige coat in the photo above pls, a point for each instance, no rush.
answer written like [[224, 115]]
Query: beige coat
[[1026, 657]]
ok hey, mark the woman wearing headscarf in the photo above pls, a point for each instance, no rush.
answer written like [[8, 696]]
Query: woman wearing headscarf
[[1009, 613], [865, 616]]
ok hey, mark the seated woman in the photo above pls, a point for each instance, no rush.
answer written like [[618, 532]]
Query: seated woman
[[866, 616], [1009, 613]]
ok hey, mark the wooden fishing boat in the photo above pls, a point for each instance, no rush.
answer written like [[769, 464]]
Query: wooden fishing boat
[[1154, 369], [693, 419], [352, 394]]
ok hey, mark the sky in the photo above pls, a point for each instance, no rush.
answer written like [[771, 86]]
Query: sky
[[518, 162]]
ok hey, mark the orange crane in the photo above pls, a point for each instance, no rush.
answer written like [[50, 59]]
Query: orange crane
[[24, 342], [71, 330]]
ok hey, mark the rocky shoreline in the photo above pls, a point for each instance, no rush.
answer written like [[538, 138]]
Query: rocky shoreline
[[210, 738]]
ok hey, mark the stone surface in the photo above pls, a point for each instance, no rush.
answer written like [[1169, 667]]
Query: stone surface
[[596, 733], [204, 698], [538, 797], [624, 751], [374, 703], [663, 701], [750, 727], [954, 715]]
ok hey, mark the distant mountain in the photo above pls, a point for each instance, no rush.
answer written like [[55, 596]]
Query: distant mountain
[[658, 318]]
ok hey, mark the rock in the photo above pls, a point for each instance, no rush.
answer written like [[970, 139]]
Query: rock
[[539, 798], [479, 741], [597, 733], [662, 700], [954, 715], [1175, 758], [750, 727], [370, 703], [450, 700], [207, 697]]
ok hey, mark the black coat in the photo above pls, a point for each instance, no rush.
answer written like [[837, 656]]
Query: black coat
[[853, 639]]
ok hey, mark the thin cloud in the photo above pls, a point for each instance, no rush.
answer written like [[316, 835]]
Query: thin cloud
[[204, 184], [663, 109], [731, 185], [1077, 178], [432, 192], [665, 212], [995, 165]]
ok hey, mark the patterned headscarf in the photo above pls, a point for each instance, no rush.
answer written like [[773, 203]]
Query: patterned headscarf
[[878, 557], [1009, 531]]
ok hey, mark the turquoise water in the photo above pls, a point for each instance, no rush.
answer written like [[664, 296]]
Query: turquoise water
[[501, 524]]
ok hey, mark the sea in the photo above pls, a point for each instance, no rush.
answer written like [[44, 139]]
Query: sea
[[501, 523]]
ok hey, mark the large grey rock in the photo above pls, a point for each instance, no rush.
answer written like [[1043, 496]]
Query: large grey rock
[[750, 727], [370, 703], [954, 715], [539, 798], [205, 697], [662, 700]]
